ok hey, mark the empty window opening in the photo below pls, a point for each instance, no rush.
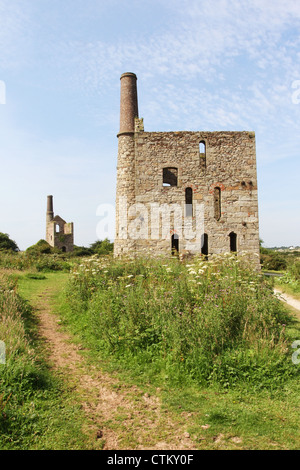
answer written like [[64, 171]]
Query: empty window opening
[[64, 249], [175, 244], [204, 244], [217, 203], [233, 242], [202, 152], [170, 176], [189, 202], [57, 229], [202, 147]]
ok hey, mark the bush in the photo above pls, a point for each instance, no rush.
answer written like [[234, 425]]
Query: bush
[[291, 278], [104, 247], [273, 261], [41, 247], [46, 263], [294, 270], [81, 251], [34, 261]]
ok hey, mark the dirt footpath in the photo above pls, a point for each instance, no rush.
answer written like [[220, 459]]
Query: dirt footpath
[[288, 299], [121, 415]]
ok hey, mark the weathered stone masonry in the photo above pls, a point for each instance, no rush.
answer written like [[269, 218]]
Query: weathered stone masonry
[[194, 174]]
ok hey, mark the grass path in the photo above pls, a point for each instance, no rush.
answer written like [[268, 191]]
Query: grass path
[[118, 415]]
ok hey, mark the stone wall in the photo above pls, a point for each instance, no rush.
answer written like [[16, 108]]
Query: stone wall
[[229, 164], [218, 170]]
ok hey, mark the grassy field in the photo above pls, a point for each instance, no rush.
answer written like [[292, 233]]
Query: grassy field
[[208, 340]]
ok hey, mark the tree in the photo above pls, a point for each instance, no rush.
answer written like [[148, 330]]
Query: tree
[[102, 247], [6, 244]]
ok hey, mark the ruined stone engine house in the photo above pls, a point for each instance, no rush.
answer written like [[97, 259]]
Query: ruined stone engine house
[[186, 192], [59, 233]]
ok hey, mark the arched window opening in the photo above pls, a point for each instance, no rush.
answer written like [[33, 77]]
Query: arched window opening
[[57, 229], [64, 249], [202, 153], [189, 202], [204, 244], [217, 203], [175, 244], [233, 242], [202, 147], [170, 176]]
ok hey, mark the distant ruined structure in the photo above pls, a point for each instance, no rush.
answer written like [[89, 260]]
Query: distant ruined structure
[[186, 192], [59, 233]]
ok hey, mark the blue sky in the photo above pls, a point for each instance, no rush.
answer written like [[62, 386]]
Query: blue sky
[[201, 65]]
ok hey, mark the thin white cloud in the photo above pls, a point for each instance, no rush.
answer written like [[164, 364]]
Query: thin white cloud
[[204, 41], [15, 33]]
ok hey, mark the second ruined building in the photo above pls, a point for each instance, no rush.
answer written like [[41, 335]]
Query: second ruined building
[[59, 233]]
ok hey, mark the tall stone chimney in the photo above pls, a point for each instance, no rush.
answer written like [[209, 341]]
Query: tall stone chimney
[[128, 103], [125, 196], [50, 213]]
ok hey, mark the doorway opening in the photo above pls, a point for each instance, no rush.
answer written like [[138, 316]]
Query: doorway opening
[[233, 243], [175, 244]]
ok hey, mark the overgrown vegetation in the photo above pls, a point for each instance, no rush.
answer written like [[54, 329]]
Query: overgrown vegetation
[[272, 260], [41, 247], [35, 410], [99, 247], [290, 281], [210, 334], [40, 262], [213, 321], [42, 257]]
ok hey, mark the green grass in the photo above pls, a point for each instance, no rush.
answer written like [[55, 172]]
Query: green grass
[[31, 284], [37, 409], [261, 420], [135, 318]]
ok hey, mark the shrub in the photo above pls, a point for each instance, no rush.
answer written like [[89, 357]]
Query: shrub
[[41, 247], [273, 260], [294, 270], [291, 277], [81, 251], [104, 247]]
